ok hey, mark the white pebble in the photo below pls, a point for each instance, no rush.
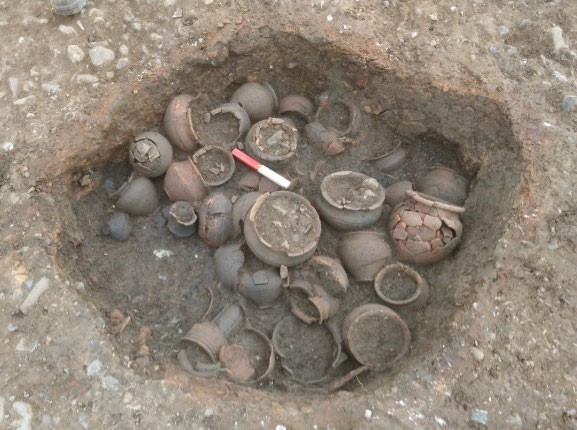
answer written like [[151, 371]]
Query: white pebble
[[162, 253], [477, 354], [122, 63], [1, 408], [39, 288], [329, 17], [86, 79], [8, 146], [13, 84], [75, 53], [123, 49], [368, 414], [440, 421], [66, 29], [101, 56], [560, 77], [94, 368], [25, 411], [279, 427]]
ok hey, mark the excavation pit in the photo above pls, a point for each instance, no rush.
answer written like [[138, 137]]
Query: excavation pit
[[165, 284]]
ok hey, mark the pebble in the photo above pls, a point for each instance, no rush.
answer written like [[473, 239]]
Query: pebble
[[177, 14], [477, 354], [94, 368], [1, 408], [8, 146], [122, 63], [86, 79], [66, 29], [560, 77], [480, 416], [514, 421], [101, 56], [51, 88], [503, 29], [39, 288], [569, 103], [25, 412], [368, 414], [123, 49], [128, 16], [75, 53], [13, 84], [207, 2]]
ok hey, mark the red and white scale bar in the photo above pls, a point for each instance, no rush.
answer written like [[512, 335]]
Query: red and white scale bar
[[260, 168]]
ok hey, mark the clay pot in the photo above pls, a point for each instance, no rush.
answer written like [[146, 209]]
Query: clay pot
[[390, 161], [262, 287], [328, 102], [444, 184], [307, 352], [207, 337], [327, 272], [397, 193], [282, 228], [260, 352], [272, 140], [215, 164], [401, 287], [326, 140], [182, 219], [118, 227], [228, 260], [214, 220], [235, 358], [257, 99], [240, 116], [183, 181], [211, 336], [311, 303], [296, 104], [68, 7], [376, 336], [150, 154], [240, 209], [363, 253], [350, 200], [178, 123], [137, 196], [424, 229]]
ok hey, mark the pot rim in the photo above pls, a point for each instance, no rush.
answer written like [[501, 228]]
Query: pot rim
[[434, 201], [328, 198], [407, 270], [229, 171], [310, 246]]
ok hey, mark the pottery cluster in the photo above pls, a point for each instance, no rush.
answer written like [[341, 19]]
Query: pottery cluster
[[267, 241]]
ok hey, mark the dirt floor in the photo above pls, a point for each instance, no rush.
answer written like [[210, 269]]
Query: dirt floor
[[481, 85]]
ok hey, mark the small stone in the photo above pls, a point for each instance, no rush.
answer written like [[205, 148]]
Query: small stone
[[122, 63], [479, 416], [434, 17], [207, 2], [128, 16], [13, 84], [75, 53], [123, 49], [412, 218], [477, 354], [560, 77], [51, 88], [101, 56], [8, 146], [177, 14], [569, 103], [86, 79], [514, 421], [66, 29], [503, 29], [94, 368]]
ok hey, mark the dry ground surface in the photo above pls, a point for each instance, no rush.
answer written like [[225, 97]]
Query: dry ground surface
[[509, 360]]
